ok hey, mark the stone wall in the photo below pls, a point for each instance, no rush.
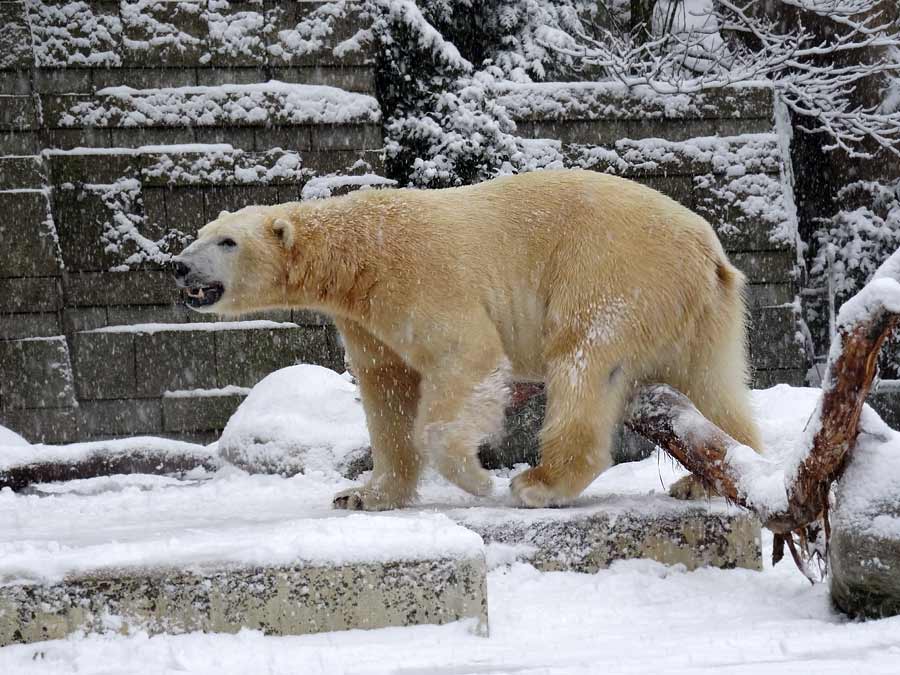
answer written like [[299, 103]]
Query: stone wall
[[117, 143]]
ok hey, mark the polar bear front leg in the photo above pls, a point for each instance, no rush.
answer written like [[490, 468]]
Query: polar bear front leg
[[460, 408], [390, 396]]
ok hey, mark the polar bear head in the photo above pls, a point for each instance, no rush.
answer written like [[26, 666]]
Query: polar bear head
[[238, 262]]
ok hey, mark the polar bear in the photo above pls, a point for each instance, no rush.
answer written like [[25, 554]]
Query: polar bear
[[585, 281]]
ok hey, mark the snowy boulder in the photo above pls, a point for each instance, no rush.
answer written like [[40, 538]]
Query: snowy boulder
[[865, 544], [8, 437], [299, 419]]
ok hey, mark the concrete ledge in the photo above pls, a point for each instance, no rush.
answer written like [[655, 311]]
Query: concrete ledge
[[621, 527], [292, 578]]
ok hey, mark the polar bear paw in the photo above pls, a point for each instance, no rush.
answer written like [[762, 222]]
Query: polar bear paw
[[531, 491], [690, 488], [367, 499]]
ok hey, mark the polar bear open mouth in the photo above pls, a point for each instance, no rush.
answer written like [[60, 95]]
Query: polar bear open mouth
[[203, 296]]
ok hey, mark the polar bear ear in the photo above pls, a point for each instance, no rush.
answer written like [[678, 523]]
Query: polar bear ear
[[284, 231], [222, 214]]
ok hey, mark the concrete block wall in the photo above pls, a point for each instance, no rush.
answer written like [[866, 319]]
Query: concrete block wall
[[116, 146]]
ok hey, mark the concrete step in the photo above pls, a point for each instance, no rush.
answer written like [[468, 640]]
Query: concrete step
[[289, 578]]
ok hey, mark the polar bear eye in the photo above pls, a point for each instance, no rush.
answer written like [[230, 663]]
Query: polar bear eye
[[228, 243]]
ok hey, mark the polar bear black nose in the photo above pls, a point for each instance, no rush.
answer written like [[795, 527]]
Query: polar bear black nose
[[180, 269]]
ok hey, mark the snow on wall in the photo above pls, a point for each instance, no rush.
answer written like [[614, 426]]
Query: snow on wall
[[268, 103]]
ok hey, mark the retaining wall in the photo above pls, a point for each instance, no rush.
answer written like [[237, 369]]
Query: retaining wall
[[117, 143]]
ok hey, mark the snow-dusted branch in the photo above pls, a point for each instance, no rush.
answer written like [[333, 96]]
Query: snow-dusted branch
[[790, 498], [700, 48]]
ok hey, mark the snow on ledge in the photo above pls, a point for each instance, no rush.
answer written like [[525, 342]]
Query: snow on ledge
[[151, 328], [328, 542], [230, 390]]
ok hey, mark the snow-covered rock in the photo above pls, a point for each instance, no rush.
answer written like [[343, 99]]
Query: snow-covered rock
[[299, 419], [10, 437]]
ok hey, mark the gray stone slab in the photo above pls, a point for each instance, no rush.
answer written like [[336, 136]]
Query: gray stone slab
[[19, 143], [769, 295], [346, 136], [352, 78], [139, 287], [679, 188], [62, 81], [235, 197], [27, 247], [90, 167], [765, 266], [209, 77], [244, 357], [887, 405], [284, 600], [129, 315], [21, 172], [185, 210], [295, 138], [242, 138], [864, 574], [773, 339], [43, 425], [128, 417], [68, 139], [588, 537], [172, 360], [37, 373], [81, 218], [31, 325], [136, 137], [18, 113], [198, 413], [16, 82], [77, 319], [765, 378], [29, 294], [15, 37], [144, 78], [104, 365]]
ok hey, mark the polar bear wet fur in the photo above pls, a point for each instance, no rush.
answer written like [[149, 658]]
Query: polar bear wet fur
[[585, 281]]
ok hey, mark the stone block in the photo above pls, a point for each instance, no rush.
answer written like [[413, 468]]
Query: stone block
[[78, 319], [163, 35], [887, 404], [30, 294], [588, 537], [244, 357], [139, 287], [185, 209], [351, 78], [15, 37], [242, 138], [155, 224], [295, 138], [18, 113], [864, 579], [82, 219], [143, 78], [679, 188], [235, 197], [21, 172], [338, 161], [291, 15], [17, 82], [43, 425], [90, 167], [127, 315], [169, 360], [773, 339], [129, 417], [670, 129], [87, 36], [104, 365], [377, 580], [136, 137], [763, 379], [211, 77], [765, 267], [62, 81], [18, 326], [37, 373], [198, 413], [346, 136], [27, 247], [735, 126], [769, 295], [19, 143], [68, 139]]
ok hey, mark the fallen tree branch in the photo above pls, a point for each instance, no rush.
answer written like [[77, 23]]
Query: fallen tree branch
[[792, 499]]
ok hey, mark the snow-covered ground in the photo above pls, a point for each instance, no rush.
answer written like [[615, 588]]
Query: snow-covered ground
[[638, 616]]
